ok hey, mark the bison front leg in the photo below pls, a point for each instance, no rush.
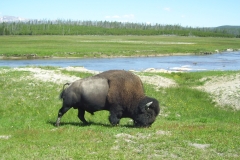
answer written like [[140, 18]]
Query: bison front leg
[[81, 113], [61, 112], [115, 115]]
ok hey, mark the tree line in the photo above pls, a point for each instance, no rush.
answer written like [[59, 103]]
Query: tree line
[[68, 27]]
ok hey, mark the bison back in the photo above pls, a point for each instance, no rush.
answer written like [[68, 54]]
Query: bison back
[[125, 88]]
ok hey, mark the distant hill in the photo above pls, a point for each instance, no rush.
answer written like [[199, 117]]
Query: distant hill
[[234, 30], [6, 18], [228, 27]]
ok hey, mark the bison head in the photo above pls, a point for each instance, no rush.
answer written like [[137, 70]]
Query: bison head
[[148, 109]]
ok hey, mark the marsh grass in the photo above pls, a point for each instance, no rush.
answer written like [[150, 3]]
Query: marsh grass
[[110, 46], [29, 109]]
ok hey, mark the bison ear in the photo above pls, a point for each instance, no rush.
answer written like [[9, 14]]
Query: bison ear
[[148, 105]]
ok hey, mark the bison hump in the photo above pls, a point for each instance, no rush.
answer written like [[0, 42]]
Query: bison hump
[[125, 88]]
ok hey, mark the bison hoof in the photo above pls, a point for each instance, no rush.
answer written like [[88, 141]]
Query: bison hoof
[[115, 123]]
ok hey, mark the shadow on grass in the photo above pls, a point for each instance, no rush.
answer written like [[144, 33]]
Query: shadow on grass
[[80, 124]]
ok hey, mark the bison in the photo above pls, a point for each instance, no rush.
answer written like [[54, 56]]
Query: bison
[[117, 91]]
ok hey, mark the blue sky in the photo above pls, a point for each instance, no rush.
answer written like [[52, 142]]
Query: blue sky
[[194, 13]]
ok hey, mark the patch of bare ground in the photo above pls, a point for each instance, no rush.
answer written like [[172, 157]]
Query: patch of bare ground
[[138, 143], [5, 136], [80, 69], [224, 90], [200, 146], [158, 81], [48, 75]]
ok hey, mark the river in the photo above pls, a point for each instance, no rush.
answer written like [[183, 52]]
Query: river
[[218, 61]]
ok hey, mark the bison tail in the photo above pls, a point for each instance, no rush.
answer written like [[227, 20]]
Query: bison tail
[[61, 94]]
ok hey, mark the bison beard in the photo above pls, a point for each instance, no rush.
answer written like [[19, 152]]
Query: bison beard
[[120, 92]]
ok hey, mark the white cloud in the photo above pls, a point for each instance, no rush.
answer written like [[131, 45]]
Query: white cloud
[[167, 9]]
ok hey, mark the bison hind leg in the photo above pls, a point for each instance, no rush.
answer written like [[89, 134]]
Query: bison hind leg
[[61, 112]]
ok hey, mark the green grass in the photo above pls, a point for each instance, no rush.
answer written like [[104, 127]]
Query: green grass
[[108, 46], [29, 108]]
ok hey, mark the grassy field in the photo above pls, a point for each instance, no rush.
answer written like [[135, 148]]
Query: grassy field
[[190, 126], [108, 46]]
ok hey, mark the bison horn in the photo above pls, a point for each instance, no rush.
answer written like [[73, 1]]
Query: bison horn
[[148, 105]]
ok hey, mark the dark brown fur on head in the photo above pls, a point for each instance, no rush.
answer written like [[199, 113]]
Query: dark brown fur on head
[[146, 114]]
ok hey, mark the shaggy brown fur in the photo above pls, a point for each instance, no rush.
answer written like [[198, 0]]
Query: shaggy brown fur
[[118, 91], [125, 88]]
